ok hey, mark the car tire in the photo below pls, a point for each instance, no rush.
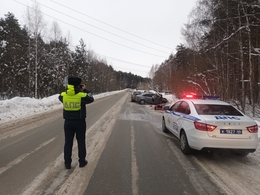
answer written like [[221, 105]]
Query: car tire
[[142, 102], [185, 148], [164, 128]]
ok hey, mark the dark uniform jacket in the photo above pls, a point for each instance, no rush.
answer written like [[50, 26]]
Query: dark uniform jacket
[[74, 103]]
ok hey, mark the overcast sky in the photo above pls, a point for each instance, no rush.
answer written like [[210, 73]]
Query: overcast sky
[[132, 35]]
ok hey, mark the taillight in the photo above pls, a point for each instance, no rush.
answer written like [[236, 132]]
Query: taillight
[[252, 129], [204, 126]]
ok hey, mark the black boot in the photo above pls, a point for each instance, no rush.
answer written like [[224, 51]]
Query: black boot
[[83, 164]]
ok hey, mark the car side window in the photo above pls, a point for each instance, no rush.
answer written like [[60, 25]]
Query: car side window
[[184, 108], [175, 106]]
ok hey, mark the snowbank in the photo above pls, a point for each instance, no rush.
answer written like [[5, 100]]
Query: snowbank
[[19, 107]]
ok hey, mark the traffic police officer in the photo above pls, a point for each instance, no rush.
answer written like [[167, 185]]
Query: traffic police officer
[[74, 101]]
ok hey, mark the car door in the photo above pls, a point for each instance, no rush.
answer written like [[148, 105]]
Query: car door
[[171, 118], [183, 119], [148, 98], [156, 99]]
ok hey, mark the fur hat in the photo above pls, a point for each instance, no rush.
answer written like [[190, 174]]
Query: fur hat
[[74, 81]]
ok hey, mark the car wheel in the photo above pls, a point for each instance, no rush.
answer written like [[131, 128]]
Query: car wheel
[[164, 128], [185, 148], [142, 102]]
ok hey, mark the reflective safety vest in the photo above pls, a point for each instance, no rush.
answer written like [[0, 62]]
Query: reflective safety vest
[[72, 102]]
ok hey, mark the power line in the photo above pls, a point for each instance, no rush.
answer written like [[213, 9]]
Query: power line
[[93, 33], [102, 38], [111, 25], [119, 59], [124, 61], [115, 59], [100, 28], [129, 69]]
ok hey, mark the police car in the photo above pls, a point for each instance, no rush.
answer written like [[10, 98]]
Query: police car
[[206, 123]]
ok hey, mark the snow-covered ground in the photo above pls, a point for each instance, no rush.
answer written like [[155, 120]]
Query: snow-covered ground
[[235, 175], [21, 107]]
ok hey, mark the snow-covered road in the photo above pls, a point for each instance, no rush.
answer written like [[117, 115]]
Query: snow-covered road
[[233, 174]]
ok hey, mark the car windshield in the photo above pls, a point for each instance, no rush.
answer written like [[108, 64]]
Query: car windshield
[[208, 109]]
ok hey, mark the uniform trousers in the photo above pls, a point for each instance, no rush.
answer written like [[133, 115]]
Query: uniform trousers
[[72, 128]]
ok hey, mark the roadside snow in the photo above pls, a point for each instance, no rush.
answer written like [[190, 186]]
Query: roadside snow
[[235, 175], [21, 107]]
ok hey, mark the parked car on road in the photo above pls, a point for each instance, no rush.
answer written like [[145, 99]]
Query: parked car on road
[[133, 95], [150, 98]]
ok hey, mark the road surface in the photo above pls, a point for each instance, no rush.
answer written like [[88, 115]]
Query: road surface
[[127, 154]]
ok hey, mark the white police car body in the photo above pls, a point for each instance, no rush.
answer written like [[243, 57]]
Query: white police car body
[[204, 124]]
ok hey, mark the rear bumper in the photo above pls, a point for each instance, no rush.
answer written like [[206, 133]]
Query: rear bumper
[[202, 141], [229, 149]]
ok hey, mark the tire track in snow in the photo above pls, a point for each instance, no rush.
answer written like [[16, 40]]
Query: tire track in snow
[[234, 174]]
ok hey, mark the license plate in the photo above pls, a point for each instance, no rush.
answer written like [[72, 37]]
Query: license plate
[[230, 131]]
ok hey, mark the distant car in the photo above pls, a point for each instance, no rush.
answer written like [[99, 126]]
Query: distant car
[[133, 95], [150, 98], [206, 124]]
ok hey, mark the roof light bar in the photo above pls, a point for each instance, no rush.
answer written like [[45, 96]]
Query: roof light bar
[[195, 96], [213, 97]]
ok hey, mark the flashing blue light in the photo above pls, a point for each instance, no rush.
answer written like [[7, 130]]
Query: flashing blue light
[[212, 97]]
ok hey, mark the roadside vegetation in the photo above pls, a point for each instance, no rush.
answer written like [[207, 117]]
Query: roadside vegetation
[[220, 56]]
